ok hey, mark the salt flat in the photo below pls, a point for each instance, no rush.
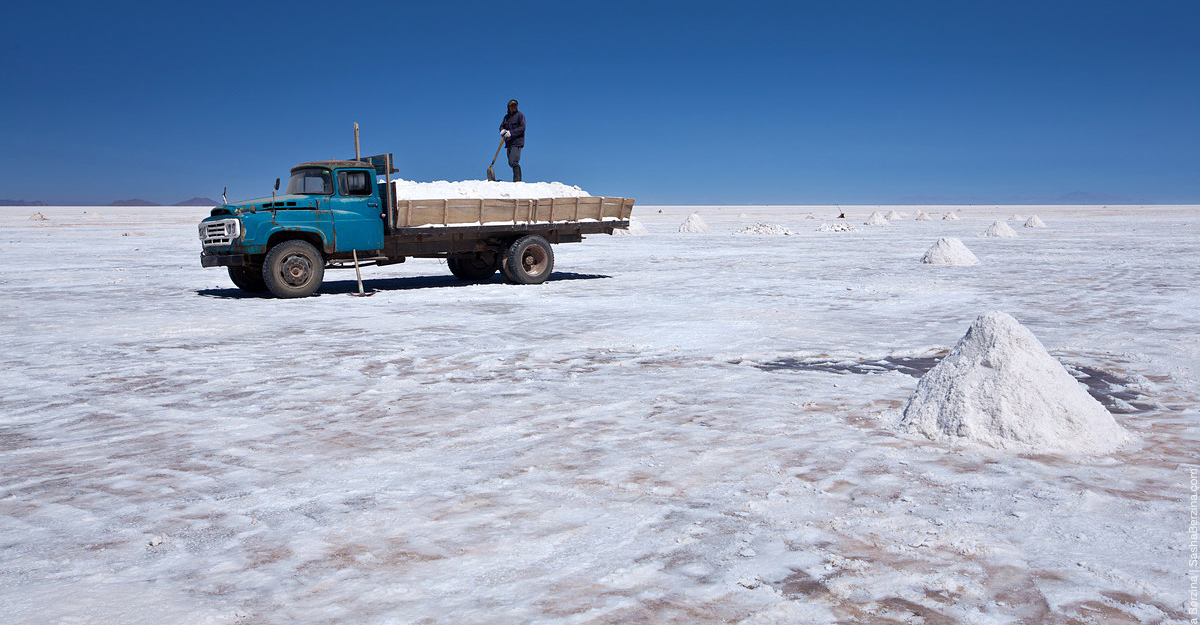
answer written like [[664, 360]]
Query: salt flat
[[678, 428]]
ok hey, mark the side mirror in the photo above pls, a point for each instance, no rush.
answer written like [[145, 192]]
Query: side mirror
[[276, 184]]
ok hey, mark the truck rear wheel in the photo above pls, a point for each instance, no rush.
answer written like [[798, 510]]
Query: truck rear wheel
[[293, 269], [249, 279], [473, 268], [529, 260]]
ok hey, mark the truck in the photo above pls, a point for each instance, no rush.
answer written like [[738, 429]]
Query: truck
[[346, 214]]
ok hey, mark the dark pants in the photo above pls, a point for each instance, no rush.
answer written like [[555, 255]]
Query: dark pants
[[514, 161]]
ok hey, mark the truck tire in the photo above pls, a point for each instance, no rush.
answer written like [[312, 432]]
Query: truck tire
[[248, 279], [529, 260], [473, 268], [293, 269]]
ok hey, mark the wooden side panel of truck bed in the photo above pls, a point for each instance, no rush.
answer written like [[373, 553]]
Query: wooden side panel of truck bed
[[613, 211]]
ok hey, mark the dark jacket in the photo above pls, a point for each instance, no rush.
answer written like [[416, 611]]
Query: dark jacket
[[514, 123]]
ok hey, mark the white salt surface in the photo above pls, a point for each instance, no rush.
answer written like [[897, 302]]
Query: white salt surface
[[892, 215], [837, 227], [694, 224], [876, 219], [764, 229], [475, 189], [636, 227], [922, 216], [612, 446], [949, 251], [999, 229], [1000, 387], [1035, 222]]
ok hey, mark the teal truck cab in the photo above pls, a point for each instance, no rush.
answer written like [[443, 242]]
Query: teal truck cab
[[336, 214]]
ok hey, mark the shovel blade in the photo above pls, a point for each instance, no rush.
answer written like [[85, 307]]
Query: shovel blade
[[491, 175]]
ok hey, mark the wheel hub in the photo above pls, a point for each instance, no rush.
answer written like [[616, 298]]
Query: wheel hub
[[296, 270], [533, 261]]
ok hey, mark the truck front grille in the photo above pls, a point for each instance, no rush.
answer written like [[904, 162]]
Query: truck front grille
[[221, 232]]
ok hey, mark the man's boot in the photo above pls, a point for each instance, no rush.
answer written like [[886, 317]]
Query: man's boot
[[516, 173]]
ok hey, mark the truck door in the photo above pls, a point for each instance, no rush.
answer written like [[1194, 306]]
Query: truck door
[[355, 210]]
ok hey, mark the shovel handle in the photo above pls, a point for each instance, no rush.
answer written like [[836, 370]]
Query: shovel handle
[[497, 154]]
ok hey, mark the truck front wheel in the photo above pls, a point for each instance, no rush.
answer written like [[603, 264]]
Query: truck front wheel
[[293, 269], [474, 268], [249, 279], [529, 260]]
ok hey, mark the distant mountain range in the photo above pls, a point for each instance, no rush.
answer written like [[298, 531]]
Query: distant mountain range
[[196, 201]]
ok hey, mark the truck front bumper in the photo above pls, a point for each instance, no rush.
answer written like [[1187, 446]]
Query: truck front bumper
[[222, 260]]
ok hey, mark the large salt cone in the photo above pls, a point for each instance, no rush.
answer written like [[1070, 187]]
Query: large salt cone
[[876, 219], [1035, 222], [1000, 388]]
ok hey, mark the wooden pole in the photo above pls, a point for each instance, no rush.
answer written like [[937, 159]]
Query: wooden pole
[[356, 141]]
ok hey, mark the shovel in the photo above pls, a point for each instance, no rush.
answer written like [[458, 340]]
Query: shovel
[[358, 274], [492, 172]]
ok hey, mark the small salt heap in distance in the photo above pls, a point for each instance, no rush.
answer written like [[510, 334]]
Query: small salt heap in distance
[[636, 227], [950, 216], [923, 216], [876, 219], [1035, 222], [949, 251], [999, 229], [766, 229], [999, 387], [694, 224], [893, 215]]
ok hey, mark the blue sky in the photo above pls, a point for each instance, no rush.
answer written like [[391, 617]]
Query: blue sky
[[669, 103]]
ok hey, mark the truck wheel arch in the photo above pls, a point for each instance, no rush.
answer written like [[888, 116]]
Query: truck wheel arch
[[312, 238]]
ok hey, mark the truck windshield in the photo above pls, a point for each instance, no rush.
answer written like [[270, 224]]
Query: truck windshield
[[310, 181]]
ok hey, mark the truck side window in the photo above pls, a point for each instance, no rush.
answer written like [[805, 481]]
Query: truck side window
[[354, 183]]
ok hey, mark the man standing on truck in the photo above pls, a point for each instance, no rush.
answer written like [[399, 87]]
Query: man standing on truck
[[513, 131]]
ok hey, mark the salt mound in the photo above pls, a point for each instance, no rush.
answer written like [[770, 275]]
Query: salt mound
[[636, 227], [923, 216], [839, 227], [999, 229], [893, 215], [475, 189], [764, 229], [949, 251], [949, 216], [1000, 388], [810, 216], [694, 224], [41, 217], [1017, 217], [876, 219], [1035, 222]]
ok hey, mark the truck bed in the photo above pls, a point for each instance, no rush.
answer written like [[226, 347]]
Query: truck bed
[[411, 216]]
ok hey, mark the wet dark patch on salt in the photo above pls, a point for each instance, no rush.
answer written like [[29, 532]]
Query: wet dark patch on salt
[[1114, 392], [915, 367]]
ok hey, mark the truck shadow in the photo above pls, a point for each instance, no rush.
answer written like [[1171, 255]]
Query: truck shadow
[[342, 287]]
